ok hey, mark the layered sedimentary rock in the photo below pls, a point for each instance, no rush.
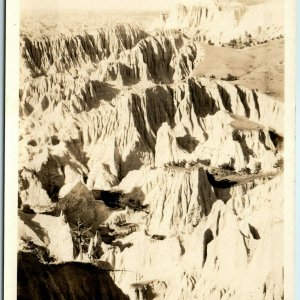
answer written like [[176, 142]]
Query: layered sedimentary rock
[[186, 121], [161, 59], [171, 183], [210, 261], [218, 23], [60, 54], [124, 55], [176, 198]]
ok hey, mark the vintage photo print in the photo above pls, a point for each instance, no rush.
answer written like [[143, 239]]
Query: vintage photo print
[[150, 150]]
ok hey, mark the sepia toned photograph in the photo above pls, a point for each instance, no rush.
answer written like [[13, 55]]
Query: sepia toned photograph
[[151, 150]]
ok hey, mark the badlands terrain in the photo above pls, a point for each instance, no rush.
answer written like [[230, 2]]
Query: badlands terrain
[[151, 153]]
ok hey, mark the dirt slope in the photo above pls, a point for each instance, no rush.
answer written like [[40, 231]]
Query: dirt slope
[[260, 67]]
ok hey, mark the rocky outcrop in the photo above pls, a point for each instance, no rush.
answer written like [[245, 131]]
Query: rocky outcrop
[[171, 195], [49, 232], [162, 59], [124, 54], [60, 54], [209, 261], [215, 22], [187, 121], [79, 206], [101, 178]]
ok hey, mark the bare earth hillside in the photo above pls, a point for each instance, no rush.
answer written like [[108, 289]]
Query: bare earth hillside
[[260, 67]]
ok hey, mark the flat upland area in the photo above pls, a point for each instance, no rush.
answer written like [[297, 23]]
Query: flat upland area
[[260, 67]]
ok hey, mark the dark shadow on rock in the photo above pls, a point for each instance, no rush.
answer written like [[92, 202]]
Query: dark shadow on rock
[[262, 139], [51, 177], [71, 47], [128, 74], [80, 206], [208, 237], [134, 161], [149, 290], [218, 223], [158, 65], [110, 198], [27, 209], [187, 143], [160, 107], [158, 237], [35, 59], [71, 280], [95, 91], [223, 193], [246, 150], [202, 101], [225, 97], [255, 98], [121, 245], [138, 112], [32, 143], [220, 184], [254, 232], [76, 146], [241, 139], [134, 200], [54, 140], [36, 227], [154, 108], [89, 46], [243, 98], [278, 141]]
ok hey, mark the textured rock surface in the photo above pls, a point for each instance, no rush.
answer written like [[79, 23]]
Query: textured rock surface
[[218, 23], [50, 232], [210, 262], [79, 205], [172, 182], [66, 53], [186, 121]]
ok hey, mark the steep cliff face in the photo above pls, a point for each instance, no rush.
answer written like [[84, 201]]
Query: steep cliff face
[[193, 15], [122, 53], [254, 227], [219, 23], [176, 198], [162, 59], [60, 54], [210, 260]]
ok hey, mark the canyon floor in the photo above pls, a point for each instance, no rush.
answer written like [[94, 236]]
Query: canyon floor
[[151, 154]]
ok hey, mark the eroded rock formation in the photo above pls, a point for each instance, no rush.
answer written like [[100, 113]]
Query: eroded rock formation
[[215, 22], [171, 183]]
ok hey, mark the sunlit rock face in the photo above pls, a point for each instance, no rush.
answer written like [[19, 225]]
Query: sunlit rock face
[[169, 182], [208, 256], [219, 22]]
